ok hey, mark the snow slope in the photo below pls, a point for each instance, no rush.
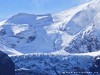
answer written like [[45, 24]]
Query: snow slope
[[88, 39]]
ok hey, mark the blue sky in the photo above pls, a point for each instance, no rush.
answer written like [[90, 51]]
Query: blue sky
[[12, 7]]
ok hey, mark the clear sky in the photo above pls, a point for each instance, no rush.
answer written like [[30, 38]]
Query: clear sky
[[12, 7]]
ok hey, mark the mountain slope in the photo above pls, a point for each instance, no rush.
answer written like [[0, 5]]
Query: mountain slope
[[88, 40]]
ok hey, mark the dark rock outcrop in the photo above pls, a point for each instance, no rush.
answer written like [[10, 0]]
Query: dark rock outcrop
[[96, 65], [7, 67]]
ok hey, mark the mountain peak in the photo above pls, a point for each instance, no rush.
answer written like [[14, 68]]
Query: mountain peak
[[22, 18]]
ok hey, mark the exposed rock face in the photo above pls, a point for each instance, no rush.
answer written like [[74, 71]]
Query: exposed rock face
[[96, 65], [7, 67]]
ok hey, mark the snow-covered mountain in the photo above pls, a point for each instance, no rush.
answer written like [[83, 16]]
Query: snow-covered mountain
[[54, 44], [25, 33], [74, 30]]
